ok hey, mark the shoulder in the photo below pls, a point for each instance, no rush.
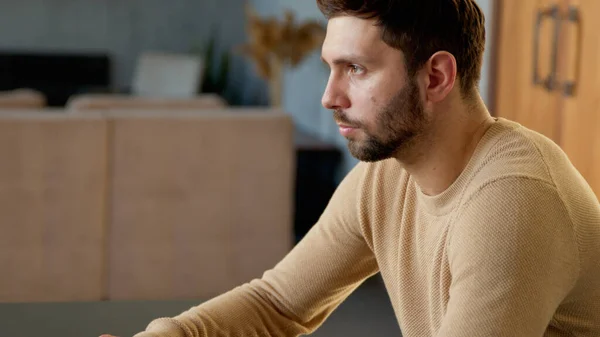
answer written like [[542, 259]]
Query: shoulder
[[515, 156], [515, 151]]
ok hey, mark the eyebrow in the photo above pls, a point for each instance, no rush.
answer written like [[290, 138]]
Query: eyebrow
[[348, 59]]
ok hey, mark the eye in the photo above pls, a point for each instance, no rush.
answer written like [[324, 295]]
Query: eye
[[355, 70]]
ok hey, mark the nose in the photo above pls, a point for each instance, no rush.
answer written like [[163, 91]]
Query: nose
[[335, 96]]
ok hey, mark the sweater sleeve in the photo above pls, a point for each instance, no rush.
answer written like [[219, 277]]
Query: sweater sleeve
[[300, 292], [513, 258]]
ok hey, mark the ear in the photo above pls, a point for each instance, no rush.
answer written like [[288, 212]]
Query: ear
[[440, 74]]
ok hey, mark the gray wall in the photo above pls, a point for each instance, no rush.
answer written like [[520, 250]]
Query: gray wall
[[305, 84]]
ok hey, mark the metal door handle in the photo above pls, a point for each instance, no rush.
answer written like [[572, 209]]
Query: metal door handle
[[569, 86], [550, 81]]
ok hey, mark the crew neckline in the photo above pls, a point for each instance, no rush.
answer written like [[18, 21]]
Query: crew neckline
[[446, 201]]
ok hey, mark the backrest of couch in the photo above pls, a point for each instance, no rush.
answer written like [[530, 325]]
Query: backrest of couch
[[99, 102], [52, 207], [22, 99], [201, 201]]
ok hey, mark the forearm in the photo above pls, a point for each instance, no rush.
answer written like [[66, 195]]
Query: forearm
[[245, 311]]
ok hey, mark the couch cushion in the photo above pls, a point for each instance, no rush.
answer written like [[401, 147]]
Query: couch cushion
[[52, 207], [201, 201]]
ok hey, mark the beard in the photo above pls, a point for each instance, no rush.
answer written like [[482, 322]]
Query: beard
[[398, 125]]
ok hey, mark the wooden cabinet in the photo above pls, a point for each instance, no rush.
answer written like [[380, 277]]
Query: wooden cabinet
[[580, 118], [526, 38], [548, 74]]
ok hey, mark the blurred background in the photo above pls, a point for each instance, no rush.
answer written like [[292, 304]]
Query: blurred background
[[158, 153]]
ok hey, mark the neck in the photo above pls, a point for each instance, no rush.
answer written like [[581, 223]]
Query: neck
[[446, 149]]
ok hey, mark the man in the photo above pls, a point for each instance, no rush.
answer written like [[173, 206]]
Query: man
[[478, 226]]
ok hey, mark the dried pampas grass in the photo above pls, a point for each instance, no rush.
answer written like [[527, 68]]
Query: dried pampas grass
[[274, 44]]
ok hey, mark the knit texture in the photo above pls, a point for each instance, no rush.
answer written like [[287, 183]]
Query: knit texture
[[511, 248]]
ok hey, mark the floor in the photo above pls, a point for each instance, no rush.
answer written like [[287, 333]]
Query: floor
[[367, 312]]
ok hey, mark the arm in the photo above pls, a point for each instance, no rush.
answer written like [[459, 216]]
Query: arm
[[298, 294], [513, 258]]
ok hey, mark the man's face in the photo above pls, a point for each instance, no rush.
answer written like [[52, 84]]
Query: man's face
[[377, 106]]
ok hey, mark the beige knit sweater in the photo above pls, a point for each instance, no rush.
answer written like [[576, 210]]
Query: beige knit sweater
[[512, 248]]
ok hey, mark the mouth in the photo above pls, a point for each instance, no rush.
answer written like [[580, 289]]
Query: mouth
[[346, 130]]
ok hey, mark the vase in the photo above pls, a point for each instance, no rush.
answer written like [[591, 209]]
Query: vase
[[276, 83]]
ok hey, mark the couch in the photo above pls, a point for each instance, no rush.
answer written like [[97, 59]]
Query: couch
[[142, 205]]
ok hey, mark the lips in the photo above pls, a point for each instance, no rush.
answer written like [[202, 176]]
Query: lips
[[346, 130], [345, 125]]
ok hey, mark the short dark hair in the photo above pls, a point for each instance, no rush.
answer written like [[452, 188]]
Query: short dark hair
[[420, 28]]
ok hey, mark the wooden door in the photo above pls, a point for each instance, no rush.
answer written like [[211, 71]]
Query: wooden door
[[528, 37], [581, 108]]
